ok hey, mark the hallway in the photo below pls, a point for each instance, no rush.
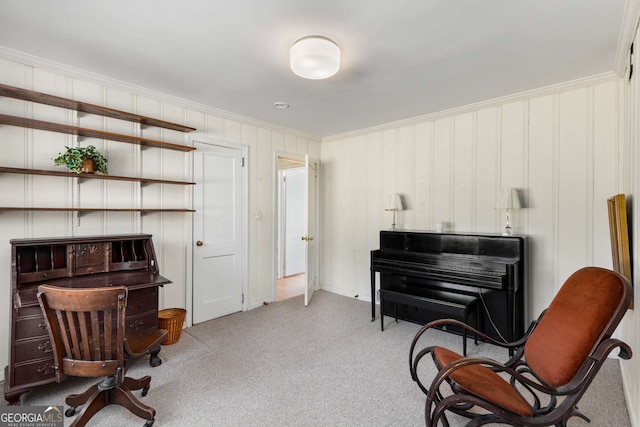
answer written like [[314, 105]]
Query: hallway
[[290, 286]]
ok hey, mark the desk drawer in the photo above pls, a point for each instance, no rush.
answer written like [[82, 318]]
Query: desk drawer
[[142, 301], [29, 311], [33, 341], [142, 313], [33, 349], [31, 327], [32, 372], [147, 320]]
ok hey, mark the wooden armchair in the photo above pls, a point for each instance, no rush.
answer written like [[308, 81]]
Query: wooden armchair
[[87, 329], [552, 367]]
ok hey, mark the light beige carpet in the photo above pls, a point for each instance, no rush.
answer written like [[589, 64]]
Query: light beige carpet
[[289, 365]]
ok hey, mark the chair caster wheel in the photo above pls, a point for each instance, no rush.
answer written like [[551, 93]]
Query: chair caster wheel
[[144, 393], [70, 412], [150, 422]]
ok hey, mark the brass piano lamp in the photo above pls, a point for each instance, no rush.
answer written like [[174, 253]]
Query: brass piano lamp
[[508, 200], [395, 205]]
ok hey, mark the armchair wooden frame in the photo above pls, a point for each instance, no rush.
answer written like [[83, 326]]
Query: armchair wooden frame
[[552, 365], [87, 329]]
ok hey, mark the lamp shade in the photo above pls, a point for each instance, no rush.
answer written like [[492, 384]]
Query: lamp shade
[[509, 199], [395, 203], [314, 57]]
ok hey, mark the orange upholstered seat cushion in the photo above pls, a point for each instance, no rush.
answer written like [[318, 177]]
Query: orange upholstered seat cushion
[[484, 383]]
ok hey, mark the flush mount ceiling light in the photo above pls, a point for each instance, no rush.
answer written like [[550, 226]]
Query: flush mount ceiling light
[[314, 57]]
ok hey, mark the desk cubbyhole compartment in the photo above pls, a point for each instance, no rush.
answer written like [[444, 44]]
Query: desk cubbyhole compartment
[[41, 262], [128, 255]]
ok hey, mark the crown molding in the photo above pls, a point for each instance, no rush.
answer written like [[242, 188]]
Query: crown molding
[[558, 87], [35, 61]]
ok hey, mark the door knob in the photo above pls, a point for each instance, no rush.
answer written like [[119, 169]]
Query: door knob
[[199, 243], [307, 238]]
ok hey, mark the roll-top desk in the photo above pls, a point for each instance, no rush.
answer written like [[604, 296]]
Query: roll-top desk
[[74, 262]]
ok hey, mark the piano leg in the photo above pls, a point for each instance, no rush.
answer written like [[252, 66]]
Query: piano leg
[[395, 313], [381, 314], [464, 342], [373, 295]]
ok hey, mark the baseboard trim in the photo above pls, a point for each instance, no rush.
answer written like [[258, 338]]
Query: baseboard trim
[[633, 416]]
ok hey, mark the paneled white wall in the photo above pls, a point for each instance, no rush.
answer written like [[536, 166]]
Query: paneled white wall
[[560, 147], [26, 148], [630, 326]]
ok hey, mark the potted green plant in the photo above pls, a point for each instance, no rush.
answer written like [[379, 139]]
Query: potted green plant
[[82, 160]]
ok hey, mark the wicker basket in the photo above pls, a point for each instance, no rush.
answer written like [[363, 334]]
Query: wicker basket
[[172, 320]]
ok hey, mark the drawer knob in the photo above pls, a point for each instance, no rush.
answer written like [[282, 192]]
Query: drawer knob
[[46, 347], [137, 324], [42, 325], [47, 368]]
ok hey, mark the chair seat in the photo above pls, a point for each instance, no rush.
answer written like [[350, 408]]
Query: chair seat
[[483, 382], [139, 341]]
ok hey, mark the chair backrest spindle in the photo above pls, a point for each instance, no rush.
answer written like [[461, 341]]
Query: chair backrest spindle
[[108, 337], [95, 342]]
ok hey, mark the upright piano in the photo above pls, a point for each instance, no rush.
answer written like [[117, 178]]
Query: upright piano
[[74, 262], [490, 267]]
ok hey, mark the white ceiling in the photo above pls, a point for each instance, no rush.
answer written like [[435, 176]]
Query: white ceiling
[[401, 58]]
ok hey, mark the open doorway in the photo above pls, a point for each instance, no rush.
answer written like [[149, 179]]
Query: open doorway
[[291, 213]]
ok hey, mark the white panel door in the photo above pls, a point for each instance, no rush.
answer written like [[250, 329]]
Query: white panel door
[[311, 252], [218, 232], [295, 222]]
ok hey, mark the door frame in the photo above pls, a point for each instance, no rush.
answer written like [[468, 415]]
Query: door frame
[[276, 220], [202, 139], [282, 220]]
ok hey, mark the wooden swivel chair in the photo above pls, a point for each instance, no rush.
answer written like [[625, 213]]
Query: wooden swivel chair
[[552, 367], [87, 329]]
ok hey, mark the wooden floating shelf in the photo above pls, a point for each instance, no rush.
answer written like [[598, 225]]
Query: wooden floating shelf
[[89, 176], [84, 107], [142, 210], [91, 133]]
